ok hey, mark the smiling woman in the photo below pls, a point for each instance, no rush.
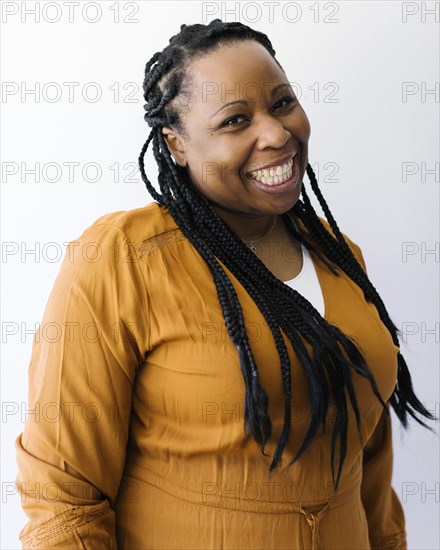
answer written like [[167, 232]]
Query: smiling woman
[[235, 331], [245, 140]]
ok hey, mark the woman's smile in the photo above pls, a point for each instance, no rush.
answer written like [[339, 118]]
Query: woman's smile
[[276, 178]]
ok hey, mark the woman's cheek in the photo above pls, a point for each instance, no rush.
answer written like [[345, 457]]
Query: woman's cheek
[[303, 126]]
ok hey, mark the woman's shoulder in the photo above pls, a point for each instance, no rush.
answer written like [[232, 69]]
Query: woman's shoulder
[[111, 245], [355, 248], [136, 225]]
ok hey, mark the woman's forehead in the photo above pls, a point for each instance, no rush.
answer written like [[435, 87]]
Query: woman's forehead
[[233, 71]]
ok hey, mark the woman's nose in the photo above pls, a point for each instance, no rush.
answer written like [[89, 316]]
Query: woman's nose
[[271, 133]]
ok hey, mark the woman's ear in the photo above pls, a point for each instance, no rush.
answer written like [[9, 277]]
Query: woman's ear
[[175, 146]]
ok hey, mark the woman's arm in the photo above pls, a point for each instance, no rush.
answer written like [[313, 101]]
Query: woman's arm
[[385, 516], [384, 511], [71, 453]]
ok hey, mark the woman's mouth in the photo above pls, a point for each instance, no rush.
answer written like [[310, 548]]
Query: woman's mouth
[[276, 178]]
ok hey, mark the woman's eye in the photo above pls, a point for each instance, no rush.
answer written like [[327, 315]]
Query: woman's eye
[[233, 120], [281, 104], [288, 100]]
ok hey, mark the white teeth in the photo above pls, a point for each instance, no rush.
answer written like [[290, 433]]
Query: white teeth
[[274, 174]]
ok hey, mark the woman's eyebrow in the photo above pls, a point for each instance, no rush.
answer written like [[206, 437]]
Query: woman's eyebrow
[[244, 102]]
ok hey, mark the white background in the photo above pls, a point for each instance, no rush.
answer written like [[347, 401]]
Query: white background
[[367, 49]]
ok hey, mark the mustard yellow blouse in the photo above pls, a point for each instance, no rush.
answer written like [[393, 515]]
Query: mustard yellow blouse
[[137, 440]]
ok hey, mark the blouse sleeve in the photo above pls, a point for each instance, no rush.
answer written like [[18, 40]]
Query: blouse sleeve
[[384, 511], [385, 516], [71, 453]]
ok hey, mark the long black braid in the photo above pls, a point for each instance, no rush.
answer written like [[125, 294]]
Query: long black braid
[[334, 355]]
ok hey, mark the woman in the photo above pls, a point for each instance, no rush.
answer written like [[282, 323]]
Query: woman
[[217, 335]]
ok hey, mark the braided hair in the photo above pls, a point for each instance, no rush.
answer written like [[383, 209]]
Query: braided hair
[[334, 355]]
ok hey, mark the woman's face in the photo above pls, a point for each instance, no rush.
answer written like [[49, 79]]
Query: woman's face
[[245, 146]]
